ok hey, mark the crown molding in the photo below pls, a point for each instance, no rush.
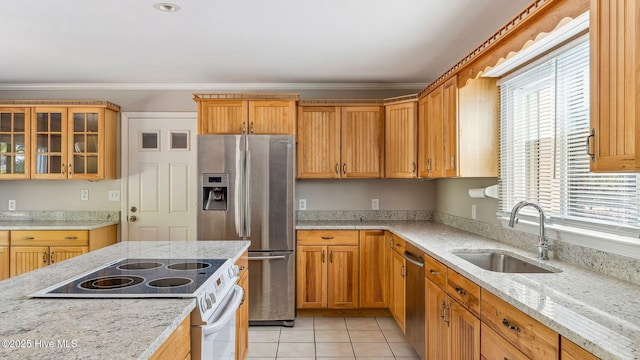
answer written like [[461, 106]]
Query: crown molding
[[213, 86]]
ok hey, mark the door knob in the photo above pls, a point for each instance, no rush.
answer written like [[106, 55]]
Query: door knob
[[132, 218], [134, 209]]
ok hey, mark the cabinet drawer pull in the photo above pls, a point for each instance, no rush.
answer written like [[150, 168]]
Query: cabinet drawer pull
[[402, 272], [51, 258], [44, 257], [391, 243], [331, 256], [71, 238], [337, 168], [322, 258], [251, 128], [413, 167], [344, 168], [326, 237], [461, 291], [433, 272], [506, 323], [240, 268], [62, 169], [27, 238], [244, 127]]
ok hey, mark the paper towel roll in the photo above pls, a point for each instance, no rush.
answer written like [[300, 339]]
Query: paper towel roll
[[488, 192], [476, 193]]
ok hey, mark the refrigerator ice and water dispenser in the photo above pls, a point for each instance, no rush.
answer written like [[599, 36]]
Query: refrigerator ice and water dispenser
[[214, 191]]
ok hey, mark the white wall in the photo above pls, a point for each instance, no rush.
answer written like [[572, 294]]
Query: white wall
[[352, 194], [58, 194], [452, 197]]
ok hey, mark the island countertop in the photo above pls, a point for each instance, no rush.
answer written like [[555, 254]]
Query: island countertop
[[599, 313], [96, 328]]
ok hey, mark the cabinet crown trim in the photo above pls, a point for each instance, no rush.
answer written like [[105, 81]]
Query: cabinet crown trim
[[65, 103], [245, 96]]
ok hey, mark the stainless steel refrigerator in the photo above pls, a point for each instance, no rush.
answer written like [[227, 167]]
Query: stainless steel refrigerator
[[247, 192]]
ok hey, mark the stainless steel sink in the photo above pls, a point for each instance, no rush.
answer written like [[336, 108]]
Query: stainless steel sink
[[500, 261]]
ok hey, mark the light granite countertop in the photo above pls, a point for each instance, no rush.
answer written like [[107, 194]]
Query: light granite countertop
[[96, 328], [55, 224], [599, 313]]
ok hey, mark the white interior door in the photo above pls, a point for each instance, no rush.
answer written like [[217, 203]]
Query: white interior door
[[162, 181]]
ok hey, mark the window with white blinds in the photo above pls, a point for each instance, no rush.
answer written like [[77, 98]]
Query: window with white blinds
[[544, 124]]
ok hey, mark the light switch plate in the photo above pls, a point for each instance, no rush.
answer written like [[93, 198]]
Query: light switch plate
[[12, 205], [302, 204], [84, 195], [375, 204]]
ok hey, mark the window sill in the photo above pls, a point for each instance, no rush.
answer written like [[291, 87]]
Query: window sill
[[611, 243]]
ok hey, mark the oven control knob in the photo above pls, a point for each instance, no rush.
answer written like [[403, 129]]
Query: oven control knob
[[233, 271]]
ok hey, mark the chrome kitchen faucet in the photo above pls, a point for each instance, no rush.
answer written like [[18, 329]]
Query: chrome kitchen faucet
[[543, 243]]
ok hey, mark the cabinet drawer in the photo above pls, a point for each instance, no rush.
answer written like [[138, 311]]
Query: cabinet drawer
[[494, 347], [465, 291], [4, 238], [571, 351], [327, 237], [398, 245], [525, 333], [435, 271], [50, 238]]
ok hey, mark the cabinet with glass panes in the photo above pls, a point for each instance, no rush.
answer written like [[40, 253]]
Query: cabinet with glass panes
[[63, 140]]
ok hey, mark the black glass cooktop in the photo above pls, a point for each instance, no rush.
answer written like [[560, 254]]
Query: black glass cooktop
[[140, 278]]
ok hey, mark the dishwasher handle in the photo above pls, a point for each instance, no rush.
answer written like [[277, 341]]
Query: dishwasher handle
[[228, 314], [414, 259]]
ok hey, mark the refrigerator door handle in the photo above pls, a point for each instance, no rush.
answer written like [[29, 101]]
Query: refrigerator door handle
[[239, 204], [247, 195], [272, 257]]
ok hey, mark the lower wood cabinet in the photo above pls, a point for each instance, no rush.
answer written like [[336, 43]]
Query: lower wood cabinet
[[398, 282], [495, 347], [4, 255], [178, 345], [532, 338], [374, 273], [33, 249], [327, 272], [242, 314], [570, 351], [452, 331]]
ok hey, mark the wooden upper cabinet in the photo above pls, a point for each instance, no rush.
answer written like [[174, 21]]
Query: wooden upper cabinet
[[60, 140], [318, 142], [222, 117], [362, 141], [450, 127], [272, 117], [615, 92], [431, 135], [458, 130], [15, 149], [400, 136], [246, 113]]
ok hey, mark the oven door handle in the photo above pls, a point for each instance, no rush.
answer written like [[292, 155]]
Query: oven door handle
[[229, 312]]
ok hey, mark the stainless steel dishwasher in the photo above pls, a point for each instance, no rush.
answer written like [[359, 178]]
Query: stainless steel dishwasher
[[415, 300]]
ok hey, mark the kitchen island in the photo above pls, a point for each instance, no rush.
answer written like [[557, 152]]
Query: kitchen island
[[96, 328]]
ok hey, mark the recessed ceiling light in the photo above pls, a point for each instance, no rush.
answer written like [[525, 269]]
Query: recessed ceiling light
[[166, 7]]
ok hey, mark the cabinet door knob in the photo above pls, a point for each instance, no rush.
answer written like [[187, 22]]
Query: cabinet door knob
[[44, 257], [51, 258], [592, 135], [323, 257], [413, 167], [244, 127], [344, 168]]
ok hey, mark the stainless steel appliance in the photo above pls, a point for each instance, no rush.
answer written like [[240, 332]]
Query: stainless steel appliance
[[247, 192], [415, 321], [212, 282]]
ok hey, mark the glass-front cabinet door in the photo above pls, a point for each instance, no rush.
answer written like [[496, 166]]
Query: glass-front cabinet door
[[49, 136], [85, 127], [14, 143]]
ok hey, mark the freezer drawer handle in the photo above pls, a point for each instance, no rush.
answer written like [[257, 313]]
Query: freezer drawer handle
[[274, 257]]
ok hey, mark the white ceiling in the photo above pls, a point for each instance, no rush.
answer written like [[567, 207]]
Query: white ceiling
[[242, 41]]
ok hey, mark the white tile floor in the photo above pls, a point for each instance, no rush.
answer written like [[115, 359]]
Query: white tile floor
[[331, 338]]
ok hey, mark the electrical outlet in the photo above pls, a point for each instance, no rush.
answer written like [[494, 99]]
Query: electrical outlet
[[114, 195], [375, 204], [302, 204], [12, 205], [84, 195], [473, 212]]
